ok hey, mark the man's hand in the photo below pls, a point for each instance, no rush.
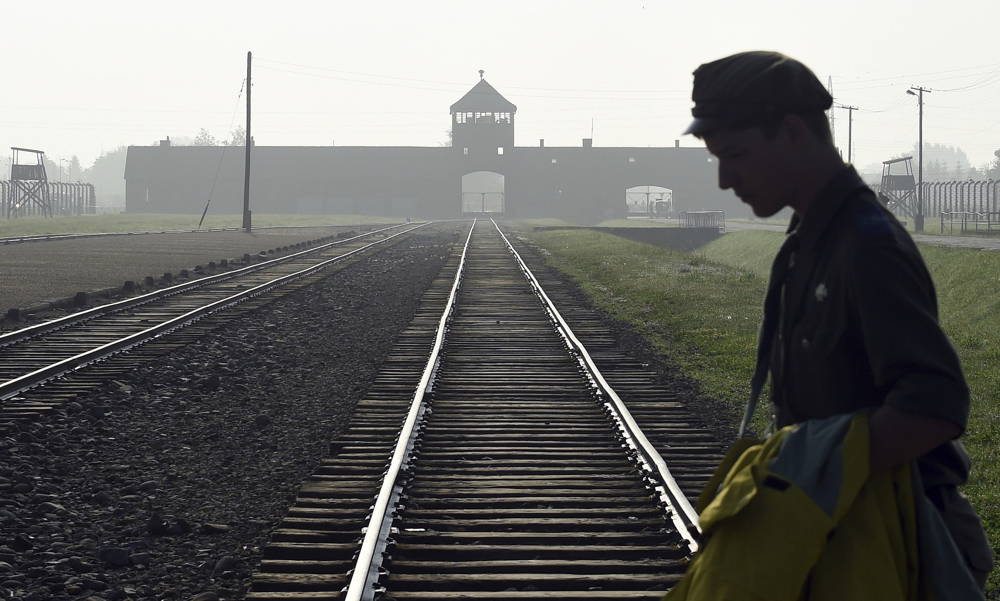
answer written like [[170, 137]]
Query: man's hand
[[898, 437]]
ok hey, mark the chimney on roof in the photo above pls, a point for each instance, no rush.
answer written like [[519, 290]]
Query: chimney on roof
[[677, 143], [588, 142], [541, 142]]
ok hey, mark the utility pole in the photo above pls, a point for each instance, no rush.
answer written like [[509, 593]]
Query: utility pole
[[833, 114], [246, 168], [918, 220], [850, 125]]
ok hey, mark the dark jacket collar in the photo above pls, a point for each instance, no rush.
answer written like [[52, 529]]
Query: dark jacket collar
[[825, 206]]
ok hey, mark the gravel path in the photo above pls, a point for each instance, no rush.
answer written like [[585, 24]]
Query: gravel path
[[167, 484]]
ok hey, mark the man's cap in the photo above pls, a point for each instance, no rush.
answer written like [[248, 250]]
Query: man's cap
[[752, 88]]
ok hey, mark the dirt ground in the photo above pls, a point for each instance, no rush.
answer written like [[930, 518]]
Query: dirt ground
[[36, 272]]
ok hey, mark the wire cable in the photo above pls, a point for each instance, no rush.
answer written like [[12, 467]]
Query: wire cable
[[222, 156]]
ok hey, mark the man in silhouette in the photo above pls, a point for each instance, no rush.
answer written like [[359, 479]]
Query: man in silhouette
[[850, 319]]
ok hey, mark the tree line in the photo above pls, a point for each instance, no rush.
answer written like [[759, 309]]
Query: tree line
[[947, 163]]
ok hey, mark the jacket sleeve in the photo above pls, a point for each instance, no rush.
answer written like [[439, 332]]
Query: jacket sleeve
[[912, 361]]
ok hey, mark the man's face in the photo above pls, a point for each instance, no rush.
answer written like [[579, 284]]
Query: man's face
[[755, 167]]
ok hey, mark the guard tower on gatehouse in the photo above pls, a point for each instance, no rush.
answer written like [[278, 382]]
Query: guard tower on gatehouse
[[482, 122], [482, 133]]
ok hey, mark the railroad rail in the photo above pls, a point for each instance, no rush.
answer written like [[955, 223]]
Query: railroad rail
[[77, 235], [50, 351], [503, 463]]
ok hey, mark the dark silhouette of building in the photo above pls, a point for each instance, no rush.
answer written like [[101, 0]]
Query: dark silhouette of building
[[481, 172]]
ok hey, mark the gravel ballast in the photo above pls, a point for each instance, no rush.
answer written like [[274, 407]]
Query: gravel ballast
[[166, 484]]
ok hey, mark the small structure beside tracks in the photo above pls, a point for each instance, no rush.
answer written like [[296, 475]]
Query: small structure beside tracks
[[708, 219], [29, 191]]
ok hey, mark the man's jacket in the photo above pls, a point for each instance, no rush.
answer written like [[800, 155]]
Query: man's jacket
[[798, 518]]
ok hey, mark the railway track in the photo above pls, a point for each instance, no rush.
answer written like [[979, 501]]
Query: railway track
[[503, 463], [78, 235], [54, 352]]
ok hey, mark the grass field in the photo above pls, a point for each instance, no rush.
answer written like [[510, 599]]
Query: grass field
[[638, 223], [542, 222], [779, 221], [932, 226], [137, 222], [701, 312]]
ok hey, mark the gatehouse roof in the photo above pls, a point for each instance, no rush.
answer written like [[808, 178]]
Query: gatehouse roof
[[483, 98]]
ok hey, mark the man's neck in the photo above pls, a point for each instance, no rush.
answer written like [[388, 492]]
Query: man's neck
[[812, 182]]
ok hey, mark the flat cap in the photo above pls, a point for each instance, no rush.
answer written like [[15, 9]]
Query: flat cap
[[752, 88]]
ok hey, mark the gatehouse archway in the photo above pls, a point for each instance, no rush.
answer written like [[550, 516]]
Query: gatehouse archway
[[483, 193], [654, 202]]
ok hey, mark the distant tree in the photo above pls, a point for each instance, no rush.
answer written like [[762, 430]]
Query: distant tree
[[944, 156], [51, 168], [204, 138], [933, 172], [448, 138], [995, 165], [108, 176], [237, 137], [75, 172]]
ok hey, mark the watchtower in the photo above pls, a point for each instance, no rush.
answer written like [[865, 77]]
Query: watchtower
[[482, 121], [29, 185], [898, 191]]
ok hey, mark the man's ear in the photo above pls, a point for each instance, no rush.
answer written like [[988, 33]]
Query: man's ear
[[795, 128]]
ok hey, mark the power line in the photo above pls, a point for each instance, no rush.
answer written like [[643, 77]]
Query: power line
[[459, 88], [222, 155], [928, 74], [986, 81], [464, 85]]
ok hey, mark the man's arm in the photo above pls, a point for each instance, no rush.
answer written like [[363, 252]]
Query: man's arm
[[898, 437], [926, 398]]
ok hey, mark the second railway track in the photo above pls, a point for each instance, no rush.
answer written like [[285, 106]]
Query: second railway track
[[53, 352], [503, 465]]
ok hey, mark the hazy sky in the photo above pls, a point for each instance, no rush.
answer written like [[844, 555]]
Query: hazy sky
[[82, 77]]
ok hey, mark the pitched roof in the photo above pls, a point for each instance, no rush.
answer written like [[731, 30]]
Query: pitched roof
[[483, 97]]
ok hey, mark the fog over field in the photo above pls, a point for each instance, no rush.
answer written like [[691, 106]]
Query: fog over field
[[86, 78]]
